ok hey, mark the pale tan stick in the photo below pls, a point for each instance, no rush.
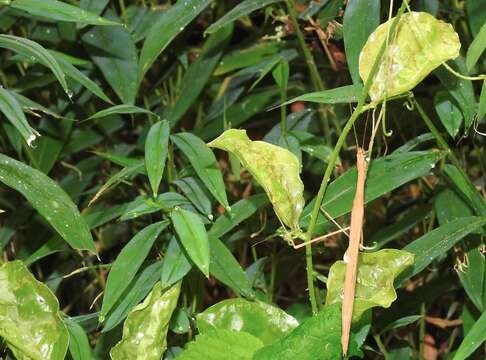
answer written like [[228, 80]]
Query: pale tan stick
[[357, 215], [321, 237], [334, 221]]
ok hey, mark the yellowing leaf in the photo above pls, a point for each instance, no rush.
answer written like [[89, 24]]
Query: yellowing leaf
[[421, 44], [374, 284], [276, 169], [30, 321], [145, 329]]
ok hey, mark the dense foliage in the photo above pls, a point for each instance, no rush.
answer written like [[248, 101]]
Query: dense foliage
[[178, 179]]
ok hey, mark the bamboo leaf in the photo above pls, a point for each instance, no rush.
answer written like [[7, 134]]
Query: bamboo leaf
[[476, 48], [276, 169], [156, 149], [339, 95], [474, 338], [78, 341], [176, 264], [120, 109]]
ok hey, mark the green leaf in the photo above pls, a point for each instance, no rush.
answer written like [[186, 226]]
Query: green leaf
[[120, 109], [135, 292], [175, 265], [127, 264], [475, 15], [266, 322], [384, 175], [473, 278], [204, 163], [194, 190], [439, 241], [113, 51], [31, 106], [319, 337], [340, 95], [359, 21], [474, 338], [374, 284], [145, 329], [476, 48], [33, 50], [274, 168], [30, 319], [243, 8], [482, 103], [60, 11], [49, 200], [78, 341], [170, 23], [193, 237], [13, 112], [222, 345], [421, 44], [156, 149], [449, 112], [281, 75], [240, 211], [224, 267]]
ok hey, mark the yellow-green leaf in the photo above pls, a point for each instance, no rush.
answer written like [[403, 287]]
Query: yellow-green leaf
[[374, 284], [421, 44], [30, 321], [145, 329], [276, 169]]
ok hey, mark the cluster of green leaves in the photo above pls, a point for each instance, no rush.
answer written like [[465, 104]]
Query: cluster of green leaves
[[127, 233]]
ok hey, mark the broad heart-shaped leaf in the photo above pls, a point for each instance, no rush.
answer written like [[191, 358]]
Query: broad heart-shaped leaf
[[222, 345], [276, 169], [30, 321], [145, 329], [420, 44], [264, 321], [193, 237], [317, 338], [374, 284], [156, 149], [49, 199]]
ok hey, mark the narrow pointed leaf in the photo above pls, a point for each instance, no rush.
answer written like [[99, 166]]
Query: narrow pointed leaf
[[340, 95], [127, 264], [60, 11], [195, 191], [204, 163], [476, 48], [49, 200], [420, 45], [156, 149], [175, 265], [13, 112], [171, 23], [276, 169], [193, 237], [264, 321], [145, 330], [120, 109], [474, 338], [374, 284], [78, 341], [30, 320]]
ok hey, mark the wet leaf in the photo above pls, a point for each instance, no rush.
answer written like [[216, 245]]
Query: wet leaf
[[13, 112], [264, 321], [274, 168], [30, 321], [156, 149], [145, 329], [204, 163], [193, 237], [58, 10], [127, 264], [420, 44], [222, 345], [49, 200], [374, 285], [317, 338]]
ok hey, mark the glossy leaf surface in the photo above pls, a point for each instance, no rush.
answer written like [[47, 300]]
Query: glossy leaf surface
[[145, 329], [420, 45], [156, 149], [222, 345], [264, 321], [49, 200], [374, 285], [30, 321], [193, 237], [127, 264], [319, 337], [274, 168]]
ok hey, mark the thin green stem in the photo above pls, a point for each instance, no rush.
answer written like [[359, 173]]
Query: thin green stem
[[354, 116], [382, 348], [283, 112], [422, 332], [123, 11]]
